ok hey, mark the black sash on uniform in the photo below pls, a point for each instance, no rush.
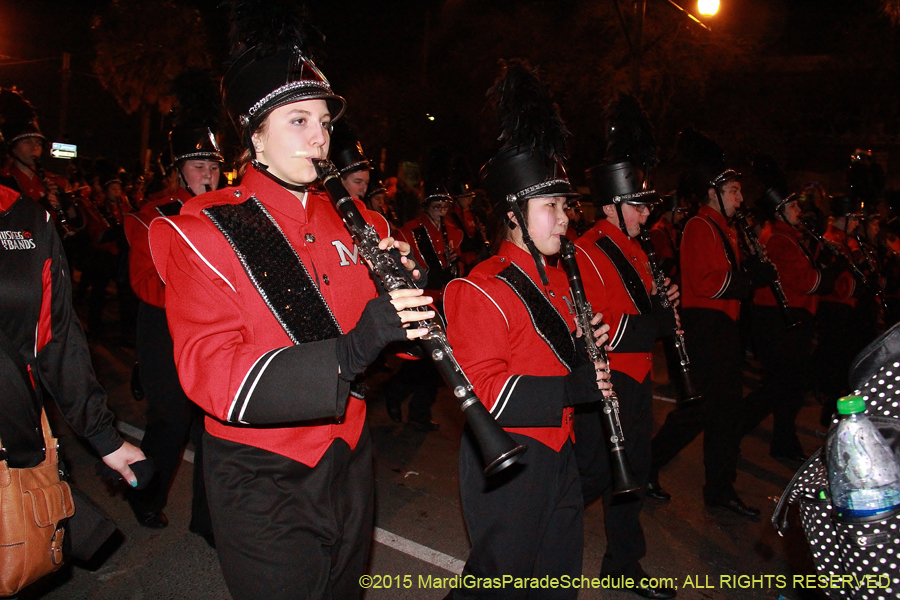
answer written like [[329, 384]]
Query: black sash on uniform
[[426, 248], [170, 209], [729, 249], [275, 270], [634, 285], [546, 319]]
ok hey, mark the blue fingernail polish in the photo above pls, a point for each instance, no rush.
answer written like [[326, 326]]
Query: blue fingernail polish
[[133, 483]]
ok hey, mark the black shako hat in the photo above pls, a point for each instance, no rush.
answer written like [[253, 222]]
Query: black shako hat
[[196, 118], [345, 151], [707, 166], [18, 119], [530, 163], [844, 206], [630, 154], [272, 63], [376, 183]]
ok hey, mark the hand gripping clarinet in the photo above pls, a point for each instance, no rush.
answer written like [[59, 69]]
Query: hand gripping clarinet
[[623, 477], [760, 252], [688, 392], [498, 449]]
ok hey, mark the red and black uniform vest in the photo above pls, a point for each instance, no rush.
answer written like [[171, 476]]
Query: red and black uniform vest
[[512, 337], [235, 358], [617, 282], [798, 273]]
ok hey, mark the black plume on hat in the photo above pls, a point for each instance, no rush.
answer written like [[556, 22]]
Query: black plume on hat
[[196, 117], [706, 161], [774, 182], [18, 119], [533, 135], [631, 152], [272, 49], [437, 175], [629, 133]]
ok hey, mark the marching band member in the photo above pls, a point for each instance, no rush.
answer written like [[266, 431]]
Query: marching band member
[[171, 416], [619, 284], [273, 317], [507, 326]]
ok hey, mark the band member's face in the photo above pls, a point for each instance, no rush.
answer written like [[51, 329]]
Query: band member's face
[[357, 183], [792, 213], [852, 224], [731, 197], [437, 210], [465, 201], [635, 215], [201, 173], [290, 136], [377, 202], [113, 191], [28, 149], [547, 221]]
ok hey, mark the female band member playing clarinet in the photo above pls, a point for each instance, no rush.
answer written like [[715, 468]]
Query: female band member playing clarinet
[[507, 326], [271, 326]]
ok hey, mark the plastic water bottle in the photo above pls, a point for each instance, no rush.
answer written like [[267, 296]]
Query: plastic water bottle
[[863, 473]]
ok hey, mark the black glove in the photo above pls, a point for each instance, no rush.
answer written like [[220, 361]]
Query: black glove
[[738, 288], [581, 385], [665, 317], [378, 326], [761, 273]]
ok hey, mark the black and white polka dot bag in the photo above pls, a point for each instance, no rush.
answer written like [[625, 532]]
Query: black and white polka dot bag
[[858, 561]]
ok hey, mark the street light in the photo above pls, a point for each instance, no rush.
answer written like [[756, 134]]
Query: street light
[[708, 7]]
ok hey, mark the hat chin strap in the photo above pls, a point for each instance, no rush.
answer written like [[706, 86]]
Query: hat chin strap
[[264, 169], [526, 238], [621, 219], [721, 202]]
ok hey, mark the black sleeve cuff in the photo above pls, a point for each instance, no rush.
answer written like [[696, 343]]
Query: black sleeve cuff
[[291, 384], [827, 281], [530, 401], [636, 333], [106, 442], [738, 287]]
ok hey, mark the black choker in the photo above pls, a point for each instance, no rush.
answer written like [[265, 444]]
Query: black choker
[[264, 169]]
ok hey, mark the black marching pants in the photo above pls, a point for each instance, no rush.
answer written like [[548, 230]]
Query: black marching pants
[[171, 419], [625, 544], [785, 355], [286, 531], [833, 353], [717, 359], [526, 521]]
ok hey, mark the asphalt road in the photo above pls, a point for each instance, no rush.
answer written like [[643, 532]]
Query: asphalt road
[[420, 530]]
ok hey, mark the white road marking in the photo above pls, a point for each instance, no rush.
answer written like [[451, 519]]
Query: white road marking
[[385, 538], [664, 398], [423, 553]]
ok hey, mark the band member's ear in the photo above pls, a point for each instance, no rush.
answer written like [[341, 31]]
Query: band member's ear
[[511, 219]]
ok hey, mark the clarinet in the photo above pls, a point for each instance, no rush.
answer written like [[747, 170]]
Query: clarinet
[[498, 449], [688, 391], [760, 252], [66, 228], [837, 251], [452, 266], [623, 477]]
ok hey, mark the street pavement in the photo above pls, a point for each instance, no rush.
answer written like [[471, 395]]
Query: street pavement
[[420, 529]]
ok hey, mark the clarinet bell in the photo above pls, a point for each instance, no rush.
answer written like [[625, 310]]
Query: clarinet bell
[[498, 449], [624, 481]]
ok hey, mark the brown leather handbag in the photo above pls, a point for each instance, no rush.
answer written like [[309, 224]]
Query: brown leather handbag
[[34, 506]]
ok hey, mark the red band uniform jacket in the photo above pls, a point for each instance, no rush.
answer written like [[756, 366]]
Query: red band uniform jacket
[[145, 279], [234, 359], [436, 277], [706, 272], [631, 334], [844, 291], [799, 276], [514, 371]]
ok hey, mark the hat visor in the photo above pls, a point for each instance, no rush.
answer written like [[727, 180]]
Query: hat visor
[[647, 198], [336, 104], [550, 189]]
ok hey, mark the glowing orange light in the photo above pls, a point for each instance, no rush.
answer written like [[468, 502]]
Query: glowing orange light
[[708, 7]]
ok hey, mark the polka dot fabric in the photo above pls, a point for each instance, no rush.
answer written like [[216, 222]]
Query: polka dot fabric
[[866, 554]]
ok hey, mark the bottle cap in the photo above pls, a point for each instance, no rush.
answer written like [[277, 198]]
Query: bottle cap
[[851, 405]]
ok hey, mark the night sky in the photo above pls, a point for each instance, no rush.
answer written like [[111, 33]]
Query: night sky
[[368, 38]]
